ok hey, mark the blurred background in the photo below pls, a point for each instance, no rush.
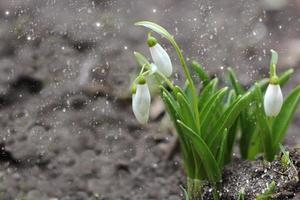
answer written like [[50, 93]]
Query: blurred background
[[67, 131]]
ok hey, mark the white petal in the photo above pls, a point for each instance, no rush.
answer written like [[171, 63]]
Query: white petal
[[273, 100], [161, 59], [153, 68], [141, 103]]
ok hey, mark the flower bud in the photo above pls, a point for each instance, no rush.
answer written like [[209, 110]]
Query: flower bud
[[141, 100], [161, 59], [273, 100]]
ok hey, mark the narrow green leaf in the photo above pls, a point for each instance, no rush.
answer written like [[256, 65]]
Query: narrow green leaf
[[230, 98], [285, 116], [255, 144], [285, 76], [188, 116], [235, 83], [248, 126], [232, 133], [209, 111], [206, 93], [184, 143], [228, 118], [204, 77], [188, 91], [223, 149], [209, 162]]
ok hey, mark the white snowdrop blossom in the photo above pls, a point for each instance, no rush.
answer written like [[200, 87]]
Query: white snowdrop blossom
[[161, 59], [273, 100], [141, 100]]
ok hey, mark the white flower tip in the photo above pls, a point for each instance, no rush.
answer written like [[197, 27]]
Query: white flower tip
[[141, 101], [273, 100]]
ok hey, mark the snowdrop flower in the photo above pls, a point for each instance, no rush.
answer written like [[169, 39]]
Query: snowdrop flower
[[160, 57], [273, 100], [141, 100]]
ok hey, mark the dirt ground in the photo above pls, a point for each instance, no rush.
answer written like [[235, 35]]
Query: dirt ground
[[67, 131]]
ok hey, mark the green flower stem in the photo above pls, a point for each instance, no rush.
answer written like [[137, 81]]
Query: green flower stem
[[272, 70], [273, 76], [190, 80], [142, 69]]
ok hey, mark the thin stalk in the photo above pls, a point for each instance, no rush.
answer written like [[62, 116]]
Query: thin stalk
[[142, 69]]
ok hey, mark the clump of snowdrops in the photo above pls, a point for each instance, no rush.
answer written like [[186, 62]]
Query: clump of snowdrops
[[208, 120]]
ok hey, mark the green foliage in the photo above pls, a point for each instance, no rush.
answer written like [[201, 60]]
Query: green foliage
[[259, 133], [208, 121]]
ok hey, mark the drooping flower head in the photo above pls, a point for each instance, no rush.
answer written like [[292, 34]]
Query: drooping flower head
[[141, 101], [160, 57], [273, 99]]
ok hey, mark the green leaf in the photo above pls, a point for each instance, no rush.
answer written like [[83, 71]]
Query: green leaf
[[254, 144], [204, 77], [285, 76], [232, 132], [285, 116], [188, 116], [235, 83], [209, 111], [141, 59], [223, 149], [188, 91], [248, 126], [206, 93], [187, 155], [263, 123], [156, 28], [228, 118], [207, 158], [230, 98]]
